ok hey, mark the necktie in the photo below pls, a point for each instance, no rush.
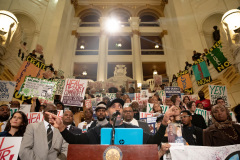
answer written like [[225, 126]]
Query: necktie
[[1, 126], [49, 136]]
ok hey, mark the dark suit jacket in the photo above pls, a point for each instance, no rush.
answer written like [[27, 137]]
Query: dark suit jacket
[[75, 130], [214, 137], [144, 126]]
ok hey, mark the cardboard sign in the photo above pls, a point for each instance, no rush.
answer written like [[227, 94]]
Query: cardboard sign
[[144, 94], [74, 92], [6, 90], [9, 147], [202, 112], [35, 117], [111, 96], [149, 107], [25, 108], [41, 88], [184, 82], [170, 91], [164, 108], [216, 92], [59, 86], [157, 79]]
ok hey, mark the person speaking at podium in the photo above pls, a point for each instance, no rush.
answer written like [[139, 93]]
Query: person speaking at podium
[[93, 135]]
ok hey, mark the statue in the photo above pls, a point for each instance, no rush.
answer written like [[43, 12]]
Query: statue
[[120, 70]]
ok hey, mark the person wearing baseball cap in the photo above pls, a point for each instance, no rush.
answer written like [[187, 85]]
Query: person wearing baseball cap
[[93, 135], [101, 115]]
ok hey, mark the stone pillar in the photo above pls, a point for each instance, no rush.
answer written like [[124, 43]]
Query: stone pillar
[[34, 41], [102, 53], [136, 49]]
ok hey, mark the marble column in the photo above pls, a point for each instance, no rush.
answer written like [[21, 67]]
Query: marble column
[[34, 41], [102, 53], [136, 49]]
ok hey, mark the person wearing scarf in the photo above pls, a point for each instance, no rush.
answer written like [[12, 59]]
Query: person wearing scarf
[[223, 131]]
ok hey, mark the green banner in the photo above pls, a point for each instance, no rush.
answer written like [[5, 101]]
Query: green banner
[[216, 57]]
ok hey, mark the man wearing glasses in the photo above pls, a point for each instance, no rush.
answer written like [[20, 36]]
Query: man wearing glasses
[[42, 141], [192, 134], [128, 118]]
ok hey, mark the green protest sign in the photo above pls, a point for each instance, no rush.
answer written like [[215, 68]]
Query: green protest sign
[[202, 112], [216, 57]]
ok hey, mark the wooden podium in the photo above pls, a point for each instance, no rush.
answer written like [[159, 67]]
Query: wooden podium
[[97, 152]]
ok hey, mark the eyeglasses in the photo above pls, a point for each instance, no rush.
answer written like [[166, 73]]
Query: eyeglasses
[[184, 116]]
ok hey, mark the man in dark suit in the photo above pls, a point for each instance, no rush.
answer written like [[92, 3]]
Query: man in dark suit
[[68, 121], [192, 134], [128, 118]]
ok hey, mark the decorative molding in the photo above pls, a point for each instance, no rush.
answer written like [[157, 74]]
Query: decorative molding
[[75, 33], [164, 32], [136, 32]]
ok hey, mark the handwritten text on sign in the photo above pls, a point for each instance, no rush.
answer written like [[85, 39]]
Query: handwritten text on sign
[[9, 147]]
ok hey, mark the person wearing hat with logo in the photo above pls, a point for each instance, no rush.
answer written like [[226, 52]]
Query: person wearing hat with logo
[[101, 115], [93, 135]]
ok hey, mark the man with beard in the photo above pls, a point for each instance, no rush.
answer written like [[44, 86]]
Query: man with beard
[[4, 116], [206, 102], [93, 135], [101, 115]]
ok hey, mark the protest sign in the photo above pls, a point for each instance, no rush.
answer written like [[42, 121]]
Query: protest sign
[[184, 82], [6, 90], [111, 96], [36, 62], [202, 112], [233, 116], [164, 108], [131, 95], [73, 92], [25, 108], [170, 91], [35, 117], [216, 92], [88, 103], [13, 110], [41, 88], [174, 131], [149, 107], [9, 147], [151, 121], [144, 94], [201, 72], [59, 86], [216, 57], [229, 152], [27, 69], [137, 97], [145, 114], [161, 93], [157, 79]]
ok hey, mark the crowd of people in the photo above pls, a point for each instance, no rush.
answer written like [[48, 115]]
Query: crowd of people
[[49, 139]]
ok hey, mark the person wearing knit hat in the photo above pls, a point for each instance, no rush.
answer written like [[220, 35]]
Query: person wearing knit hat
[[101, 115]]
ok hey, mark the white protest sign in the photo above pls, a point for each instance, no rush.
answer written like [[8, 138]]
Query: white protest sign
[[111, 96], [13, 110], [145, 115], [9, 147], [164, 108], [41, 88], [144, 94], [202, 112], [161, 93], [6, 90], [88, 103], [216, 92], [74, 92], [35, 117], [137, 97], [25, 108], [149, 107]]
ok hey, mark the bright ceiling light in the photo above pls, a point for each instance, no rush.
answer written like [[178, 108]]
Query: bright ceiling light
[[112, 25], [82, 46], [156, 46], [84, 73], [155, 72]]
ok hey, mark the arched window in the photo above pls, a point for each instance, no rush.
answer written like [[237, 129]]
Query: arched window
[[89, 18]]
